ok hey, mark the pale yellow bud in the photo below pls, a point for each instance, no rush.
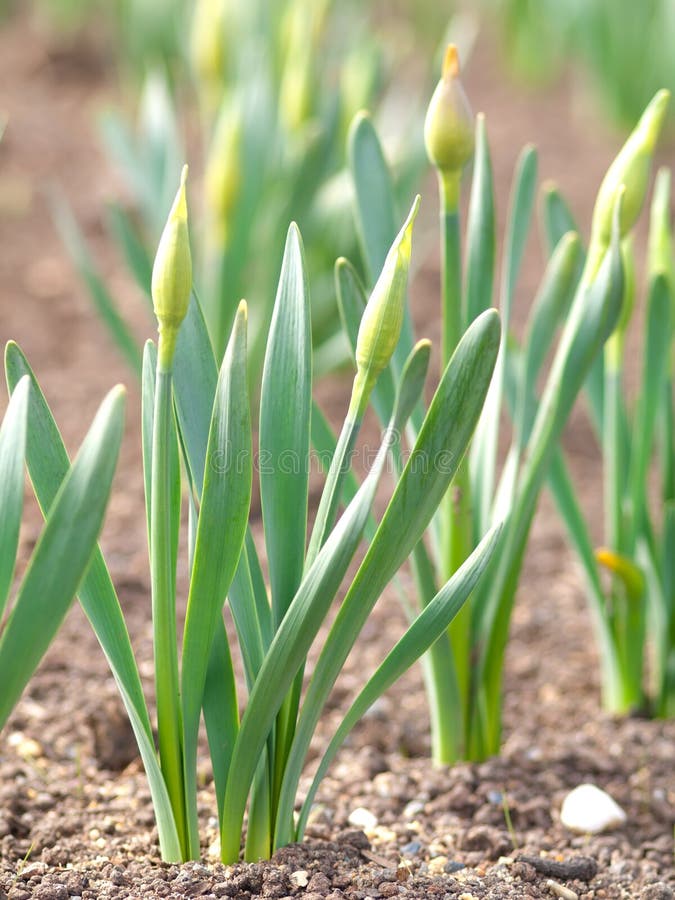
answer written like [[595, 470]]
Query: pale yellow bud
[[382, 319], [630, 574], [172, 275], [630, 168], [207, 45], [222, 179], [448, 127]]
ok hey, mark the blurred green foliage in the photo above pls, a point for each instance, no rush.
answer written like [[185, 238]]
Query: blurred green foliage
[[624, 47]]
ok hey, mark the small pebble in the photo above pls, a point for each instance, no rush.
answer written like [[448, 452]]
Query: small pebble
[[362, 818], [495, 797], [454, 866], [589, 810], [25, 747], [300, 878], [560, 891], [412, 809], [437, 865], [411, 849]]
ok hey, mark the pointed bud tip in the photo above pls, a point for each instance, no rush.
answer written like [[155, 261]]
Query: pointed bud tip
[[451, 62]]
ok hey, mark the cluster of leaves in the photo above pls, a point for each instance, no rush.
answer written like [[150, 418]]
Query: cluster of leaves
[[74, 501]]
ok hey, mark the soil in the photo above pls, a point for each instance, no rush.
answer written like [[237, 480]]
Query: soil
[[75, 813]]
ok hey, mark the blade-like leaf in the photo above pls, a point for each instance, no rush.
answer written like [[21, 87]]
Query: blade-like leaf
[[135, 254], [481, 228], [225, 500], [221, 711], [62, 553], [104, 303], [285, 408], [658, 346], [484, 451], [12, 452], [557, 218]]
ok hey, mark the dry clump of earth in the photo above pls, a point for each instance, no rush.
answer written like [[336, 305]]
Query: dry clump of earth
[[75, 813]]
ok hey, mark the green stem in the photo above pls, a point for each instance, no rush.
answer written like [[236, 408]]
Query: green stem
[[164, 603], [456, 518], [339, 466], [614, 481], [440, 676]]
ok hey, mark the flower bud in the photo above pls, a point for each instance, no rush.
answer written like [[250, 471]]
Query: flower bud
[[172, 275], [222, 178], [448, 127], [625, 569], [382, 318], [207, 45], [630, 168]]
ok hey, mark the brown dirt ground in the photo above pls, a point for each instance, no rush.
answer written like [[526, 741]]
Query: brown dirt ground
[[75, 817]]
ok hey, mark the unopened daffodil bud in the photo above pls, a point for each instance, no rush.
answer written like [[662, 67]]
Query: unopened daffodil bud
[[296, 92], [222, 178], [172, 276], [449, 128], [207, 46], [630, 168], [623, 568], [382, 318]]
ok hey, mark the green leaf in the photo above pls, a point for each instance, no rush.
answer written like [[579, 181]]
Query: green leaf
[[285, 408], [553, 299], [12, 452], [428, 627], [105, 305], [481, 229], [221, 710], [658, 346], [135, 254], [195, 375], [225, 500], [48, 465], [557, 218], [62, 553], [484, 451], [441, 443]]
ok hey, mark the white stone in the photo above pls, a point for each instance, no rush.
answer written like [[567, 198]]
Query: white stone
[[300, 878], [589, 810], [561, 891], [362, 818]]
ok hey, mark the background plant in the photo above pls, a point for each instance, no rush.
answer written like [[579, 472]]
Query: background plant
[[608, 41], [275, 86], [73, 519], [463, 671], [634, 609]]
